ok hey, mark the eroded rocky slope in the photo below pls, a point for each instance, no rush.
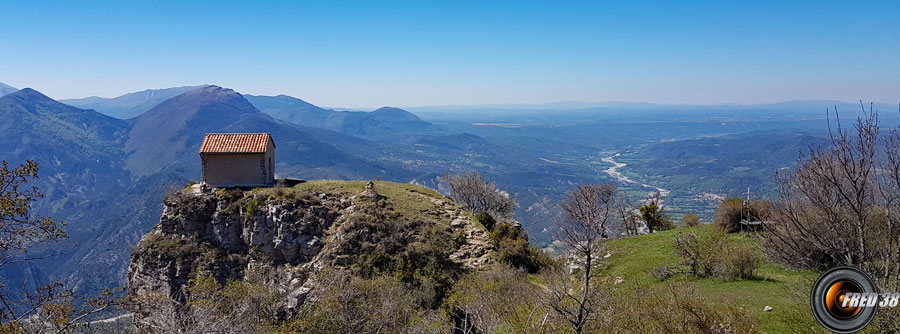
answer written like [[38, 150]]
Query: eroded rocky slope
[[292, 233]]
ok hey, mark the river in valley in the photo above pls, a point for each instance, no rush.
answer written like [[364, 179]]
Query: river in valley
[[615, 172]]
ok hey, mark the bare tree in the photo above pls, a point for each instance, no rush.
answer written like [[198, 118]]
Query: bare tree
[[587, 212], [627, 215], [889, 179], [477, 194], [841, 206]]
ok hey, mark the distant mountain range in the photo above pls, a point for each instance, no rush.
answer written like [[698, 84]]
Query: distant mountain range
[[81, 172], [381, 123], [793, 105], [105, 176], [6, 89], [129, 105]]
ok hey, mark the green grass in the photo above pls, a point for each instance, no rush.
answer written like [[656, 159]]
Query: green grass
[[633, 258], [409, 200]]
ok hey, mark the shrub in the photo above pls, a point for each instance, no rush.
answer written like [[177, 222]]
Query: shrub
[[486, 220], [512, 244], [498, 299], [678, 309], [740, 262], [655, 218], [347, 304], [690, 220], [163, 243], [520, 254], [664, 272], [210, 307], [377, 240], [252, 206], [699, 253], [506, 230], [839, 205], [711, 254], [459, 238]]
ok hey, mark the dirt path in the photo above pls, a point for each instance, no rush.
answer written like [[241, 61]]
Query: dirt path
[[474, 253]]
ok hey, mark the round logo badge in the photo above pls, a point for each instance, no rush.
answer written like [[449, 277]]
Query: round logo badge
[[842, 300]]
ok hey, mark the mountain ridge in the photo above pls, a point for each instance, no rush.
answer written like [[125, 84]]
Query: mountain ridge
[[132, 104], [105, 176], [7, 89], [382, 123], [377, 124]]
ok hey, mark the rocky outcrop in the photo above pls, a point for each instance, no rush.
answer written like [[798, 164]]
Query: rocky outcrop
[[292, 233]]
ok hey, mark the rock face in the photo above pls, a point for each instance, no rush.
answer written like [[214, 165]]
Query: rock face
[[369, 192], [291, 234]]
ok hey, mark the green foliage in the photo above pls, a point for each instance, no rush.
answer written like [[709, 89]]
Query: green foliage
[[699, 253], [712, 255], [486, 220], [162, 243], [512, 244], [410, 201], [655, 218], [16, 200], [376, 262], [379, 241], [504, 231], [520, 254], [252, 207]]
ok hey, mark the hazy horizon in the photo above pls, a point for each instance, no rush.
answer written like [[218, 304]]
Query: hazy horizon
[[560, 105], [362, 55]]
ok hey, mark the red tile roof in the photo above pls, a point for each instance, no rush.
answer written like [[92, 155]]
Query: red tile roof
[[235, 143]]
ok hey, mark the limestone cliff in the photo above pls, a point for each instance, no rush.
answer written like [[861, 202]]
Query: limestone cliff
[[294, 232]]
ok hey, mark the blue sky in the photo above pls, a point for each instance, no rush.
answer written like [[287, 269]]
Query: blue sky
[[374, 53]]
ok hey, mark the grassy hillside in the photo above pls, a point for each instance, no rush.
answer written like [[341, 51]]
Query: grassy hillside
[[634, 258], [409, 200]]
